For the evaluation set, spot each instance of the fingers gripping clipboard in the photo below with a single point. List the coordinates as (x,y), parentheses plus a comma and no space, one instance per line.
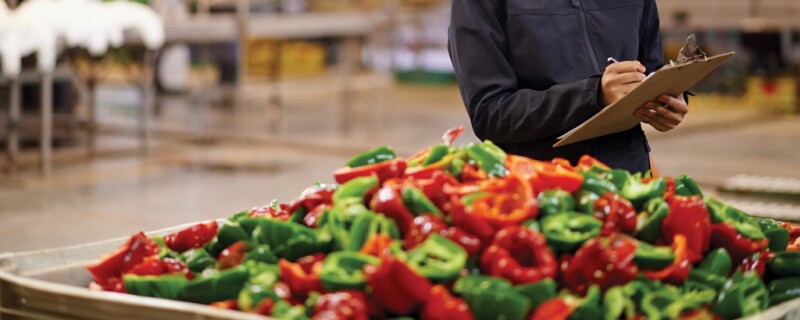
(670,80)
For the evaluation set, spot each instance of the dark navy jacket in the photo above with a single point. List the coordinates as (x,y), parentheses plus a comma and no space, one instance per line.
(529,71)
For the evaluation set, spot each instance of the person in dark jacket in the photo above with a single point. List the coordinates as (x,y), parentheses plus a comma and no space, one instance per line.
(531,70)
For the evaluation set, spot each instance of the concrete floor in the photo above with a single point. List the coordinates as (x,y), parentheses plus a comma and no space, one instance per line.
(206,163)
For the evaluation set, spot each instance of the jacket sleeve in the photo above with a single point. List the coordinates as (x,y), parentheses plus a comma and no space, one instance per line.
(498,109)
(651,53)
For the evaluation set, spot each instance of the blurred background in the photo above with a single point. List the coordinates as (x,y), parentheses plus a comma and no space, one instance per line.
(238,102)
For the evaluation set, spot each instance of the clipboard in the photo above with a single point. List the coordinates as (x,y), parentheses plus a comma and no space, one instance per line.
(671,80)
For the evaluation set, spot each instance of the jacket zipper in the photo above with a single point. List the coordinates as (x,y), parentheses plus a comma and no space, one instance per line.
(586,35)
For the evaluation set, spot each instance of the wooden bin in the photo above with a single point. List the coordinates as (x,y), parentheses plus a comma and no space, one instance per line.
(51,284)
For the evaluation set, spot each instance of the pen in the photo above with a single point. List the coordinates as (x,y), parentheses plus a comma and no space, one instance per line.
(612,60)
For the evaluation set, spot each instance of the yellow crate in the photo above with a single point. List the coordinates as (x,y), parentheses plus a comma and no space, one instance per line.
(296,58)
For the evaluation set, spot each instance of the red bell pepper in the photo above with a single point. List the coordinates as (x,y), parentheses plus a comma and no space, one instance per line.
(150,266)
(233,255)
(434,187)
(617,214)
(192,237)
(383,170)
(127,255)
(341,305)
(153,266)
(313,216)
(378,245)
(452,134)
(794,237)
(543,175)
(520,255)
(553,309)
(265,307)
(302,277)
(443,306)
(757,262)
(312,197)
(472,173)
(688,216)
(606,261)
(389,201)
(426,224)
(724,235)
(505,202)
(467,220)
(276,211)
(678,272)
(398,288)
(587,162)
(669,192)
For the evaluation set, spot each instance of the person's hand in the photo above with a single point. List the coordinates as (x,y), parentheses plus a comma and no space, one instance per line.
(664,114)
(619,79)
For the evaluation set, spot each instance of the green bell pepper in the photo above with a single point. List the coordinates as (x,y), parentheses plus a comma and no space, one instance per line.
(617,305)
(379,154)
(229,232)
(567,231)
(617,176)
(589,306)
(638,192)
(742,295)
(163,250)
(437,258)
(367,225)
(437,153)
(721,212)
(686,186)
(285,311)
(477,282)
(586,201)
(354,188)
(648,226)
(168,286)
(650,257)
(261,253)
(258,288)
(417,203)
(497,304)
(595,184)
(783,289)
(707,279)
(785,264)
(718,262)
(669,303)
(216,285)
(290,240)
(342,270)
(488,158)
(538,292)
(198,259)
(778,236)
(555,201)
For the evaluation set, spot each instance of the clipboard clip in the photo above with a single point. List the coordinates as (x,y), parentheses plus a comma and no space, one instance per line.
(690,52)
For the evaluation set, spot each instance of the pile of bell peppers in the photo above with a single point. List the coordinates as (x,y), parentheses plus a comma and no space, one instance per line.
(469,232)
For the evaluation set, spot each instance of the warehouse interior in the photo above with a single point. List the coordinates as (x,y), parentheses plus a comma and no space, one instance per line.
(253,100)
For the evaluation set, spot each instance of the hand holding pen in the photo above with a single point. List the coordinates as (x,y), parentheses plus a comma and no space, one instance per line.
(620,78)
(663,115)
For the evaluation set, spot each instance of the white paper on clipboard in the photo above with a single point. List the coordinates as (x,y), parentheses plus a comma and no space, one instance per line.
(670,80)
